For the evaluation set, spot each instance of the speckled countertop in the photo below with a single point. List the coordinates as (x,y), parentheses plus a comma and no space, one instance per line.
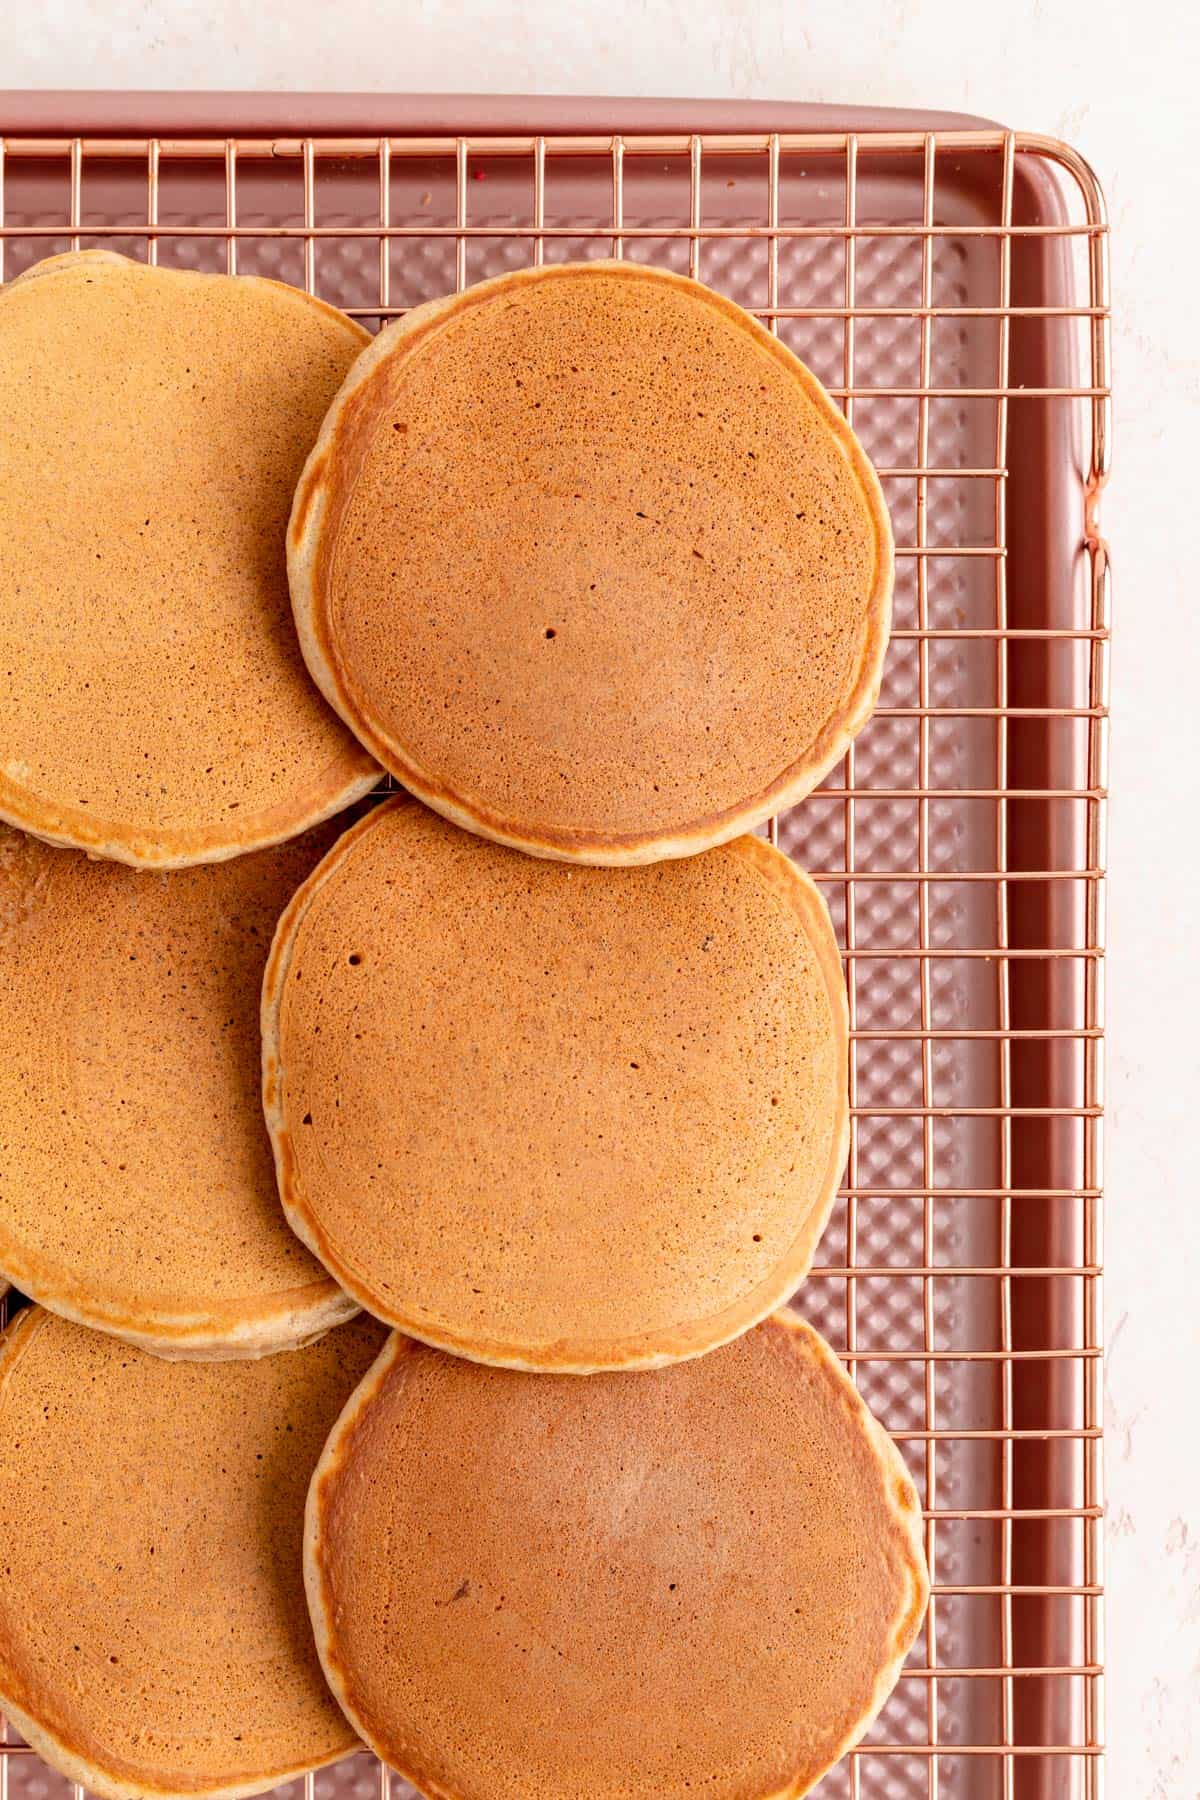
(1119,81)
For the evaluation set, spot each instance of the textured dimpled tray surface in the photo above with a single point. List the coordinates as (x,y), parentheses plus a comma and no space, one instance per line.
(947,281)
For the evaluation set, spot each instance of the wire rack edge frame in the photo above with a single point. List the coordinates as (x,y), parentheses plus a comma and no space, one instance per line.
(850,149)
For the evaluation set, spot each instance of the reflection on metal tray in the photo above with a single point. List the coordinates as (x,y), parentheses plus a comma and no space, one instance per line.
(947,280)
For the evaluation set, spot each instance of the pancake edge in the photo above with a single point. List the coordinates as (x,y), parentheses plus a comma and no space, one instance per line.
(803,1339)
(645,1350)
(339,785)
(606,849)
(59,1753)
(234,1332)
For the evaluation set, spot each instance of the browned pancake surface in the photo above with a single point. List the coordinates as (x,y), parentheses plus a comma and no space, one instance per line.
(137,1191)
(153,1631)
(557,1117)
(697,1580)
(592,563)
(154,705)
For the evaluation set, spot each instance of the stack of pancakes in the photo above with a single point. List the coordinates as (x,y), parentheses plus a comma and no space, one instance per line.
(542,1063)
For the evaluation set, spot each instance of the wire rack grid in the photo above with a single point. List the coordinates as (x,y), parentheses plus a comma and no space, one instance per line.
(951,289)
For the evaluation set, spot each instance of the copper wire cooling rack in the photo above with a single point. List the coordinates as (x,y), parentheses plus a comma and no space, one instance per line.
(948,281)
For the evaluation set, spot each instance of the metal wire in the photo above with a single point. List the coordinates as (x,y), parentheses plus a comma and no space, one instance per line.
(904,1335)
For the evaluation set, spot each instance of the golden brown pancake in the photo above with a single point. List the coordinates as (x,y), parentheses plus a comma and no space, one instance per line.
(552,1117)
(154,706)
(137,1192)
(153,1633)
(592,564)
(698,1581)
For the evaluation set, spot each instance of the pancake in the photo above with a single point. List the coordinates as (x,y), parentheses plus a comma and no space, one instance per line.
(551,1117)
(153,1633)
(592,564)
(154,706)
(703,1580)
(137,1192)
